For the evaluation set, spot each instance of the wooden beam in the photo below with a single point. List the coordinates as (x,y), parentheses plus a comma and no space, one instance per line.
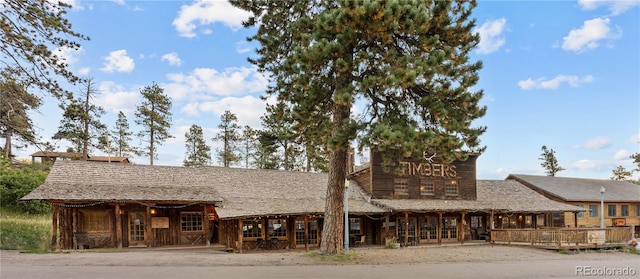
(239,235)
(206,225)
(462,227)
(406,228)
(118,227)
(147,228)
(439,233)
(306,233)
(54,229)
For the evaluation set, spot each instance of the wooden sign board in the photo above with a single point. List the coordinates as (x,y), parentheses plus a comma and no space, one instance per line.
(619,222)
(596,237)
(159,222)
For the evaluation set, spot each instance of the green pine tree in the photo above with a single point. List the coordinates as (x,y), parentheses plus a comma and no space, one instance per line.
(549,161)
(15,123)
(198,152)
(230,137)
(154,115)
(80,123)
(406,61)
(121,136)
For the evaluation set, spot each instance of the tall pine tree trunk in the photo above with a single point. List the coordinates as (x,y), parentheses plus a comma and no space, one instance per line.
(333,228)
(7,142)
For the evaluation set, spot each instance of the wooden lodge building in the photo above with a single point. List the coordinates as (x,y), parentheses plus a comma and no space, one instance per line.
(425,201)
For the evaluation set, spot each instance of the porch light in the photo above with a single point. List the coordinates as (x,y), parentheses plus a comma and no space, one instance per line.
(153,211)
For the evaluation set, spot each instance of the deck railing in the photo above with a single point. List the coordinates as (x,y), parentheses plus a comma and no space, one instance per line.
(564,237)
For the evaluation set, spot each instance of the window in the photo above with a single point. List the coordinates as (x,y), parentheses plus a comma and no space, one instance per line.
(593,211)
(251,228)
(401,186)
(611,210)
(354,226)
(277,227)
(624,210)
(426,186)
(451,188)
(638,210)
(191,221)
(96,220)
(580,214)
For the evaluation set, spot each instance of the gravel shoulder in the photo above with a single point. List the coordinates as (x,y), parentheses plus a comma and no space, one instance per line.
(363,256)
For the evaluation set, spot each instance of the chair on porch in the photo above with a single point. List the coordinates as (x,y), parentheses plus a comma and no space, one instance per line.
(82,240)
(359,242)
(273,243)
(261,244)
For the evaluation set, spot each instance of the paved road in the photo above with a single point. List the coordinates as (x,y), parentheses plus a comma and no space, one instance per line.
(516,269)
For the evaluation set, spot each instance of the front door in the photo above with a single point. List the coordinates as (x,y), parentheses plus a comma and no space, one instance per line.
(429,229)
(137,228)
(402,228)
(312,231)
(449,228)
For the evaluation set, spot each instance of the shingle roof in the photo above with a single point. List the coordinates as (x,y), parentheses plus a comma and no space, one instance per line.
(499,195)
(237,192)
(581,189)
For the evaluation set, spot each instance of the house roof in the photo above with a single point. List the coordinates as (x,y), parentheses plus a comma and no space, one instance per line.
(114,159)
(499,195)
(580,189)
(236,192)
(56,154)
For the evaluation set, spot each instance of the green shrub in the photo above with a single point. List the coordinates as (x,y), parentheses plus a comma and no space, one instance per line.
(24,232)
(16,183)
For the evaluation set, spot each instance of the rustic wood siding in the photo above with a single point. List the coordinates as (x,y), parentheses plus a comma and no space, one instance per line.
(382,179)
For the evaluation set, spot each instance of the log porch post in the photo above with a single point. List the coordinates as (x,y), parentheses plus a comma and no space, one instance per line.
(406,228)
(54,229)
(118,227)
(575,219)
(207,230)
(439,232)
(147,228)
(462,228)
(306,233)
(240,235)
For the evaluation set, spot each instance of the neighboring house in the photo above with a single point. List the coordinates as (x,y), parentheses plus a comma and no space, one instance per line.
(52,156)
(621,199)
(124,205)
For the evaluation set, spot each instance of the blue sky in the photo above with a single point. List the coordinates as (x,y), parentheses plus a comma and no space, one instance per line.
(565,74)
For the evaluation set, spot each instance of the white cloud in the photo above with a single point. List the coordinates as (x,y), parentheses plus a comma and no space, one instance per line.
(236,81)
(622,155)
(615,6)
(203,12)
(541,83)
(242,47)
(248,109)
(172,58)
(118,61)
(119,2)
(115,98)
(635,138)
(67,54)
(491,35)
(597,143)
(84,71)
(589,35)
(590,165)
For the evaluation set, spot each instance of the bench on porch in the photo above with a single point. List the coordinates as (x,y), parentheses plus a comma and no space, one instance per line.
(82,240)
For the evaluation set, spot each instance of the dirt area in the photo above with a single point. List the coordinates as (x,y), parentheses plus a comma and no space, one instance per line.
(363,255)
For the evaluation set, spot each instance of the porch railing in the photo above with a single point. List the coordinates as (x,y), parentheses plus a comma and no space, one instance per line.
(564,237)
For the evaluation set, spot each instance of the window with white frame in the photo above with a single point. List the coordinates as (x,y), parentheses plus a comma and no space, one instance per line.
(593,211)
(611,210)
(624,210)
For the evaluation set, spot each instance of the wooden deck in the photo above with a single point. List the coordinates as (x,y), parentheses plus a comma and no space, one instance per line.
(564,238)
